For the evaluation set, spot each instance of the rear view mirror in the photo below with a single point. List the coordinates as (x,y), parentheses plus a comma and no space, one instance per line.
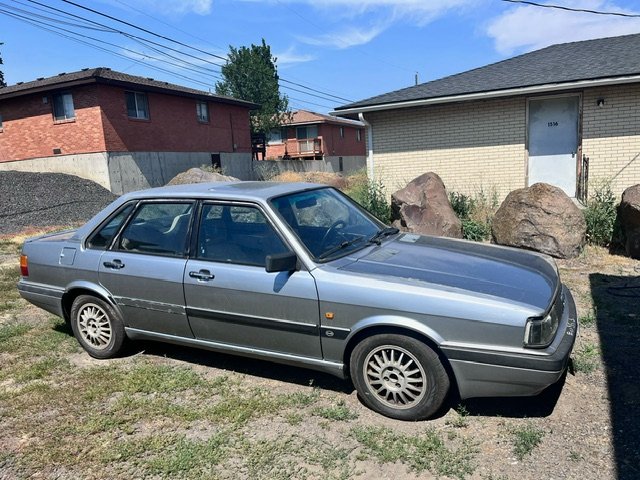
(282,262)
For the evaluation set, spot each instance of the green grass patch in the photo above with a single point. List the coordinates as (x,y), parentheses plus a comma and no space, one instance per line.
(9,296)
(12,330)
(587,359)
(339,412)
(525,439)
(588,320)
(425,451)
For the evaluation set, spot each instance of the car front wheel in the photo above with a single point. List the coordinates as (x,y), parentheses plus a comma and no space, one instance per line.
(399,376)
(97,326)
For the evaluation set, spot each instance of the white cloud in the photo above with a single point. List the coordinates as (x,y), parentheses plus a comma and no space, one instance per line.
(289,57)
(172,7)
(527,28)
(377,15)
(345,38)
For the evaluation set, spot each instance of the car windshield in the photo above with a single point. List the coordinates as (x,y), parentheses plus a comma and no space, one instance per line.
(328,223)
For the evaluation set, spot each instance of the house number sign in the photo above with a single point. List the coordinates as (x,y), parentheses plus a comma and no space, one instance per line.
(552,124)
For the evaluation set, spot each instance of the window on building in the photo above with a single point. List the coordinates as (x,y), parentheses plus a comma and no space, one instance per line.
(303,133)
(137,105)
(341,132)
(202,112)
(359,135)
(277,135)
(63,106)
(0,122)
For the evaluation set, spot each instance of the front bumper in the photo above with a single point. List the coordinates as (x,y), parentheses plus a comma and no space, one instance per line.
(482,373)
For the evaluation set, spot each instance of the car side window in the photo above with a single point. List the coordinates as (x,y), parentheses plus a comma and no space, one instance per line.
(159,228)
(237,234)
(101,239)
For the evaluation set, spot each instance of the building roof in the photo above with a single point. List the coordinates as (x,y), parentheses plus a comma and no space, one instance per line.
(107,76)
(558,65)
(305,117)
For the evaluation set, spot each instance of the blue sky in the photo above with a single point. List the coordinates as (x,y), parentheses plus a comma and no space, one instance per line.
(344,48)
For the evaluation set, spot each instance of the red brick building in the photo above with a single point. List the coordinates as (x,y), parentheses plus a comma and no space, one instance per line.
(313,136)
(123,131)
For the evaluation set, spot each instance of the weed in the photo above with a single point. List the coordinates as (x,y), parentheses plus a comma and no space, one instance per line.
(600,215)
(425,451)
(586,359)
(525,438)
(476,213)
(588,320)
(574,456)
(461,418)
(370,194)
(339,412)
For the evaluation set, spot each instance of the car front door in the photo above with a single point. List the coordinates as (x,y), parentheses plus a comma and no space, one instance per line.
(231,298)
(144,268)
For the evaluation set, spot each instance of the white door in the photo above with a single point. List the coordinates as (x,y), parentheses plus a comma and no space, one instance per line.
(553,142)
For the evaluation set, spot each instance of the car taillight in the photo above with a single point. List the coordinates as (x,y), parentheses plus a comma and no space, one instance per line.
(24,266)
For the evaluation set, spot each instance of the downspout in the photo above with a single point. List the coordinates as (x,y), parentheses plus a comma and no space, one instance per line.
(367,126)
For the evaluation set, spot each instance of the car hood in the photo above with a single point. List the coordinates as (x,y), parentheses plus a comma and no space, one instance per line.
(507,273)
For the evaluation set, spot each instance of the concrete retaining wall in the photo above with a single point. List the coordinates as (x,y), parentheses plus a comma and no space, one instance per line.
(123,172)
(270,168)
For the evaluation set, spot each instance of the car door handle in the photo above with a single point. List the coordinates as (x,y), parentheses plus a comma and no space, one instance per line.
(204,275)
(115,265)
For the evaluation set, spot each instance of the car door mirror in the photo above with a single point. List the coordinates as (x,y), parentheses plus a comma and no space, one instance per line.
(281,262)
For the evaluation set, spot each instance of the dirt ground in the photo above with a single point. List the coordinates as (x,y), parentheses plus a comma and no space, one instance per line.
(64,415)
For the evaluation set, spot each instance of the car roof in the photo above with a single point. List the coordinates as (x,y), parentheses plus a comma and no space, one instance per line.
(251,191)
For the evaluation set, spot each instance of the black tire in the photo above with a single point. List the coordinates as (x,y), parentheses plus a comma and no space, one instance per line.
(97,326)
(409,382)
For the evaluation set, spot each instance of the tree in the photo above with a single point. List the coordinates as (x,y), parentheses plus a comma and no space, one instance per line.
(251,74)
(2,82)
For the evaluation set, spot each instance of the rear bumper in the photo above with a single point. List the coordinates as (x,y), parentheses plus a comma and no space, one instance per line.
(44,296)
(482,373)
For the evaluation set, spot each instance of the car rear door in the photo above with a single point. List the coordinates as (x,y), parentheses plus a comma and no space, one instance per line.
(231,298)
(144,268)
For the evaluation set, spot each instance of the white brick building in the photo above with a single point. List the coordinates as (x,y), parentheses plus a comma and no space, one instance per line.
(535,117)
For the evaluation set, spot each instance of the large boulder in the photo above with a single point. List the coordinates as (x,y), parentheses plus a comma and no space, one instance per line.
(630,220)
(197,175)
(423,207)
(542,218)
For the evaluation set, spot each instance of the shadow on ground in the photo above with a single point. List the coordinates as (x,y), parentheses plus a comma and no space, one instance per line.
(541,405)
(617,303)
(248,366)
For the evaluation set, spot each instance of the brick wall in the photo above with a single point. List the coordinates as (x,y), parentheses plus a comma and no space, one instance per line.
(472,145)
(332,143)
(173,125)
(29,130)
(101,124)
(611,135)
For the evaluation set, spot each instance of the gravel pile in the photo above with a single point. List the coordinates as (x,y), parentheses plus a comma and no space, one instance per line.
(47,199)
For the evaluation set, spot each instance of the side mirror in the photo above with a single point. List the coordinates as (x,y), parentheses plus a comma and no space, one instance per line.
(282,262)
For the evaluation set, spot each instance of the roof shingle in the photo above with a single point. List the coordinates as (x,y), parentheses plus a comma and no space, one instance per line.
(568,62)
(107,76)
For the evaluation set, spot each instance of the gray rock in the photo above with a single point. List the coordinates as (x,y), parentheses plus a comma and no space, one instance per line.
(423,207)
(630,220)
(197,175)
(541,218)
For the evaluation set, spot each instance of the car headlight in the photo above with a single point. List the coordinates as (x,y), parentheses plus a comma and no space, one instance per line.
(540,332)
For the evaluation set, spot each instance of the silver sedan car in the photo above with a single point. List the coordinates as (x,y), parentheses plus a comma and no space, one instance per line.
(302,275)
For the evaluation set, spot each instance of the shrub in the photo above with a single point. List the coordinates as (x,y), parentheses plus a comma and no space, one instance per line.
(370,194)
(475,213)
(600,215)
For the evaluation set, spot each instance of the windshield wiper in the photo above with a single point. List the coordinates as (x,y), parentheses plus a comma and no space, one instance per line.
(385,232)
(344,244)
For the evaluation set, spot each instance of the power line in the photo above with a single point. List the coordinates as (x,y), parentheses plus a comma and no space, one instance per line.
(53,22)
(186,45)
(570,9)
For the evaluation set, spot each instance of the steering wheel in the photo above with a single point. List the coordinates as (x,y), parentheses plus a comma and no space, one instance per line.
(331,230)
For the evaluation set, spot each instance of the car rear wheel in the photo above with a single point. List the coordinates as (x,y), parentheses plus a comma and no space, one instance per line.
(399,376)
(97,326)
